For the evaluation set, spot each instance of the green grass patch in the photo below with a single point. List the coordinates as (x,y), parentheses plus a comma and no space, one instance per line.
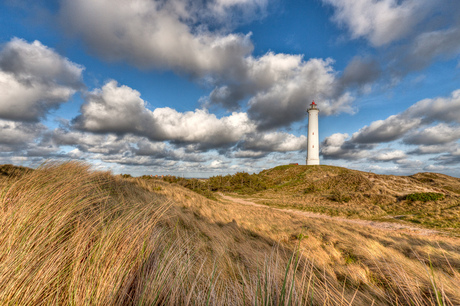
(424,196)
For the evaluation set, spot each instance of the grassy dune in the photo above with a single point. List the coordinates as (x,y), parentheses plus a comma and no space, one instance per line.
(338,191)
(69,235)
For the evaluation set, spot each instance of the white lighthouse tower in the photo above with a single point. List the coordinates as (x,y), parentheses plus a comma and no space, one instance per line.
(313,137)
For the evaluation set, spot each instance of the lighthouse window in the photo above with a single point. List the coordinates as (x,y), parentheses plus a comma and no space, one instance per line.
(313,133)
(313,146)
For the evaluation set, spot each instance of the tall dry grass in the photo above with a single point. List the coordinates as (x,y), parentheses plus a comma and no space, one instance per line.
(72,236)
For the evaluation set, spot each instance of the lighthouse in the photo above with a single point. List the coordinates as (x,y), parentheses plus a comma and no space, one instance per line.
(313,138)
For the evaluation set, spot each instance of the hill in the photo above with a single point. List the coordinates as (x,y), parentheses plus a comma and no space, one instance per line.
(7,171)
(70,235)
(429,199)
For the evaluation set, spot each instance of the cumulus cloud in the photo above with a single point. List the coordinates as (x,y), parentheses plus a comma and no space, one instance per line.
(381,22)
(431,124)
(338,146)
(279,88)
(158,34)
(132,160)
(387,22)
(16,136)
(406,165)
(202,127)
(119,109)
(116,109)
(110,147)
(271,142)
(91,143)
(444,109)
(292,88)
(420,114)
(249,154)
(434,168)
(434,149)
(174,35)
(34,79)
(386,130)
(434,135)
(451,158)
(395,155)
(341,147)
(218,164)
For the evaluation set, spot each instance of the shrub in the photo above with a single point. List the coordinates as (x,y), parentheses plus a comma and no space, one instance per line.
(340,197)
(424,196)
(310,189)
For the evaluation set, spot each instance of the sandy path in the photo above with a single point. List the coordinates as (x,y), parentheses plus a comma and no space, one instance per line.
(374,224)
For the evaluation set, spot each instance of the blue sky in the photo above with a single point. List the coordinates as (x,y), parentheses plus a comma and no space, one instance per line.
(200,88)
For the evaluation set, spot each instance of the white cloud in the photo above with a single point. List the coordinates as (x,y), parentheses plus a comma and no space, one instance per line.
(386,130)
(412,31)
(34,79)
(112,147)
(156,34)
(17,135)
(432,124)
(434,149)
(249,154)
(119,109)
(223,5)
(271,142)
(445,109)
(116,109)
(289,84)
(434,135)
(280,86)
(434,168)
(216,164)
(201,126)
(338,146)
(381,22)
(419,115)
(390,156)
(174,35)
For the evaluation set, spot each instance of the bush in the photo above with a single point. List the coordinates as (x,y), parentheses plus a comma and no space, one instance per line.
(424,196)
(239,182)
(340,197)
(310,189)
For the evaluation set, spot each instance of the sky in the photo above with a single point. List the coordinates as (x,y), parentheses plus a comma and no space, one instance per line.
(198,88)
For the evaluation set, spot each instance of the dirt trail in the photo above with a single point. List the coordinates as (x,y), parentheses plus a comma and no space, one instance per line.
(374,224)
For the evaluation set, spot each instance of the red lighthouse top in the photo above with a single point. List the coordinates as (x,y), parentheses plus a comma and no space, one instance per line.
(313,105)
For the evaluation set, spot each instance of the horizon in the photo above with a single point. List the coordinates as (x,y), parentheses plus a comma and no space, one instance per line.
(213,174)
(218,87)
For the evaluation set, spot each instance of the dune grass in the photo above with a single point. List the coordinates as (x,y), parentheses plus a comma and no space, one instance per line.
(428,199)
(73,236)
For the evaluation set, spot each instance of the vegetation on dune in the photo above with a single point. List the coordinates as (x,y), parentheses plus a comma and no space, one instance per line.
(69,235)
(438,180)
(10,171)
(241,182)
(428,199)
(424,196)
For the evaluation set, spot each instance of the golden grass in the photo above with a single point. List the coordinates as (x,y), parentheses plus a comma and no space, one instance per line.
(72,236)
(339,191)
